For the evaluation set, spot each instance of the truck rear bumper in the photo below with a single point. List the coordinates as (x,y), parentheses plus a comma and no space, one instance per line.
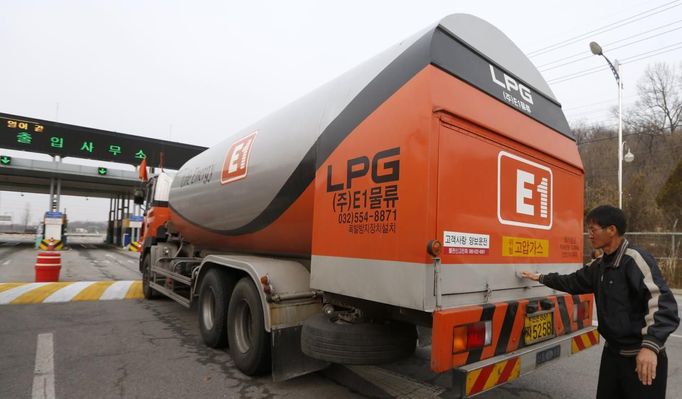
(413,377)
(479,377)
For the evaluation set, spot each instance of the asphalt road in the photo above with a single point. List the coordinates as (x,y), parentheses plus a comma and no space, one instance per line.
(131,349)
(152,349)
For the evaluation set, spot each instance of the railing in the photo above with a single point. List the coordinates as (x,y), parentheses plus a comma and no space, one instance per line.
(665,247)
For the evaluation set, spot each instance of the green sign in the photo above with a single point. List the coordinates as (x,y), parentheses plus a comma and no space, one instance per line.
(5,160)
(54,138)
(101,171)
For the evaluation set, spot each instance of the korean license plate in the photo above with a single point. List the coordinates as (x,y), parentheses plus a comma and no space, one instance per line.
(538,327)
(547,355)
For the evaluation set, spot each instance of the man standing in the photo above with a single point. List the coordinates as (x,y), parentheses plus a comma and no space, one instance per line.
(636,309)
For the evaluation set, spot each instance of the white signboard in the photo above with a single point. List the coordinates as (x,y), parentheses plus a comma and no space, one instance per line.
(457,243)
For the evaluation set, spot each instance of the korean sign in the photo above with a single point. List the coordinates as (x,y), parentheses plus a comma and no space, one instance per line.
(33,135)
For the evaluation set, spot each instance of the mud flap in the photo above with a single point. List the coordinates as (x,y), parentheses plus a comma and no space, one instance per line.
(288,361)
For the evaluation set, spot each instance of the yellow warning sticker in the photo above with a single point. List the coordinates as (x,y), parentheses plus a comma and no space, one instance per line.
(525,247)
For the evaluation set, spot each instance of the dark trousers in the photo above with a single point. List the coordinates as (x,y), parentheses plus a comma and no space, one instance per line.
(618,379)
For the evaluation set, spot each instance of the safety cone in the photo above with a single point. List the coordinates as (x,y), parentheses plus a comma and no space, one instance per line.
(48,265)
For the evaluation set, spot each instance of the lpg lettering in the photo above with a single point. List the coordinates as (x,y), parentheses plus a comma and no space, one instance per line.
(382,171)
(511,84)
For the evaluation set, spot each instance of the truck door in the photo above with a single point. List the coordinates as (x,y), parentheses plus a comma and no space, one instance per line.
(502,207)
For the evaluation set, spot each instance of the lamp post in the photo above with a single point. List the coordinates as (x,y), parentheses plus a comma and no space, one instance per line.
(597,50)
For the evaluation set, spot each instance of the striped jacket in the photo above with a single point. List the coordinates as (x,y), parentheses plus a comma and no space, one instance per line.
(635,307)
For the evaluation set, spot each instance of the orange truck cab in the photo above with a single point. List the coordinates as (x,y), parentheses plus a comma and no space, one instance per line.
(156,213)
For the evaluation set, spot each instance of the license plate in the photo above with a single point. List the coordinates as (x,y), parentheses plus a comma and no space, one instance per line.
(547,355)
(538,328)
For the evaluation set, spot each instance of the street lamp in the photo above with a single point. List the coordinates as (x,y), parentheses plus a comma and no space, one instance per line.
(597,50)
(629,157)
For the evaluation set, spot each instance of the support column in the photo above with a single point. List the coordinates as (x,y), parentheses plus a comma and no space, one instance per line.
(110,223)
(59,193)
(117,220)
(50,205)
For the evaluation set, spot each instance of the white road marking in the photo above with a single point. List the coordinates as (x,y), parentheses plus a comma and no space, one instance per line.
(10,295)
(676,336)
(67,293)
(6,263)
(117,290)
(43,378)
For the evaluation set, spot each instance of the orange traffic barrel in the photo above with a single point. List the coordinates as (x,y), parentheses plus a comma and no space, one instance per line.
(48,266)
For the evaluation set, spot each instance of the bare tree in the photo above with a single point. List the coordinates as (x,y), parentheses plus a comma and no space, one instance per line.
(652,199)
(659,108)
(669,197)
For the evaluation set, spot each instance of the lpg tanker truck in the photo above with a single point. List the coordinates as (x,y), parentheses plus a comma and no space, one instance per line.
(403,196)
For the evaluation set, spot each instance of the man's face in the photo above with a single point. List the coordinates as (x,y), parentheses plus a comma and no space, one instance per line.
(600,236)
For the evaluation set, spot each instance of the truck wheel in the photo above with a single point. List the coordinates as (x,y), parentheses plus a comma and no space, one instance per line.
(214,293)
(147,291)
(360,343)
(248,340)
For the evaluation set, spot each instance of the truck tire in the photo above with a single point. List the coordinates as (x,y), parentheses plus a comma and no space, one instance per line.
(214,294)
(359,343)
(249,342)
(148,292)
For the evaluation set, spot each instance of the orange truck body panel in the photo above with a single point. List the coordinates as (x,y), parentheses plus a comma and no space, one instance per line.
(448,179)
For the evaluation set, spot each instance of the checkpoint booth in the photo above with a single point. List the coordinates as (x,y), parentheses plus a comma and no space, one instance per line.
(54,227)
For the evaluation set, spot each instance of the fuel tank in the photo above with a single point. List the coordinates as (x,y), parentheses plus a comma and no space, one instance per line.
(258,190)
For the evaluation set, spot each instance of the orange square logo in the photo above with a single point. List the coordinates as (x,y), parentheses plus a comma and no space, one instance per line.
(524,192)
(236,162)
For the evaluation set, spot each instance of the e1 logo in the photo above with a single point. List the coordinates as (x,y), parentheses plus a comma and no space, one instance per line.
(236,162)
(524,192)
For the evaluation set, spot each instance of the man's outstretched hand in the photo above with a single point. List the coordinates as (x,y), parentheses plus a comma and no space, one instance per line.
(530,276)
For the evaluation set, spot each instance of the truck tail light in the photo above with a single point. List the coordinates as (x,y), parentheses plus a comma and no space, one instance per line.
(472,336)
(434,247)
(581,311)
(265,281)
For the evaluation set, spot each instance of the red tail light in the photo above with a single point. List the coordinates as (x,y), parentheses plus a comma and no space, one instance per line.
(472,336)
(476,336)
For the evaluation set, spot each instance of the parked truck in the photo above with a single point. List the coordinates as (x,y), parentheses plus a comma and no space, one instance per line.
(409,192)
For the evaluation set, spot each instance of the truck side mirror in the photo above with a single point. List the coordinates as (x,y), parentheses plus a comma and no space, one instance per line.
(138,196)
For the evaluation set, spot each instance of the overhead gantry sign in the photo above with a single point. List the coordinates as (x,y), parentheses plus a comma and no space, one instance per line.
(54,138)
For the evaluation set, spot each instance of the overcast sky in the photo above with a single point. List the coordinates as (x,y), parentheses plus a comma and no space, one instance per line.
(195,71)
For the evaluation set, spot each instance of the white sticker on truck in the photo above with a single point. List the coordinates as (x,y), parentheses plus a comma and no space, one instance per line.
(458,243)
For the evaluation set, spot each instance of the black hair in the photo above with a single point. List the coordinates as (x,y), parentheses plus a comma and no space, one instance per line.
(607,215)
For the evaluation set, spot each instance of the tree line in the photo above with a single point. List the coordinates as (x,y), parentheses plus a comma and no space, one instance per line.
(652,131)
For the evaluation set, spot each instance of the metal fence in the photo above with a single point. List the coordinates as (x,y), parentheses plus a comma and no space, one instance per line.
(665,247)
